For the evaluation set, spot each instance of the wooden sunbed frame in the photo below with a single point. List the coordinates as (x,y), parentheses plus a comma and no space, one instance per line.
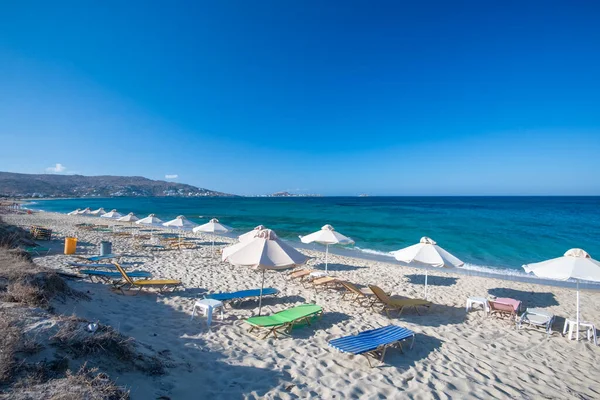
(399,304)
(360,297)
(161,284)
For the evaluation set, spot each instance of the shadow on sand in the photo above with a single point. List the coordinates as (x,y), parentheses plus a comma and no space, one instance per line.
(327,320)
(423,346)
(529,299)
(157,323)
(419,279)
(436,315)
(337,267)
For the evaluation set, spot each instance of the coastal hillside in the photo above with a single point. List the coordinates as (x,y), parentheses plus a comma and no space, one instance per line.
(48,185)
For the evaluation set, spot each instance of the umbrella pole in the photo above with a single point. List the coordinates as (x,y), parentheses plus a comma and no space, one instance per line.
(212,248)
(426,273)
(577,334)
(326,256)
(261,291)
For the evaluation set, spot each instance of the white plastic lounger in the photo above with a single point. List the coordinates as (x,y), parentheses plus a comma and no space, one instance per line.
(537,318)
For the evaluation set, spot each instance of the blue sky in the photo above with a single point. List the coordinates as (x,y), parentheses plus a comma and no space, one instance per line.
(337,98)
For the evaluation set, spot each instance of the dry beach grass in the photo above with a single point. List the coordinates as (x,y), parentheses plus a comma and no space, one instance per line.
(456,354)
(48,356)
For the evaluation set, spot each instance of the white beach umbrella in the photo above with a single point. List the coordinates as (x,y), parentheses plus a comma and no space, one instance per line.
(74,212)
(428,254)
(575,264)
(181,223)
(327,235)
(112,214)
(128,218)
(152,221)
(265,252)
(251,234)
(98,212)
(131,218)
(85,211)
(213,226)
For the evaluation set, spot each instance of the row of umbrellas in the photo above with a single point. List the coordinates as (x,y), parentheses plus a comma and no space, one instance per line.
(263,250)
(180,223)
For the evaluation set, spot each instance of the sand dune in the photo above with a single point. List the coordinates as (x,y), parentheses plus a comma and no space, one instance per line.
(456,355)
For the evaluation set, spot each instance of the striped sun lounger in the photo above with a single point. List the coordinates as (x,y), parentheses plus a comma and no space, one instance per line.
(242,294)
(374,342)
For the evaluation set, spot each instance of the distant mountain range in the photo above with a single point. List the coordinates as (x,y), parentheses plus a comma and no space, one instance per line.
(48,185)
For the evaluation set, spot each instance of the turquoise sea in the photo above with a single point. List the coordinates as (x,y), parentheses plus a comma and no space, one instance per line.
(485,232)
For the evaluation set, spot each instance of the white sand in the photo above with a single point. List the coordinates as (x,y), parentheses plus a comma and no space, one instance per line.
(456,355)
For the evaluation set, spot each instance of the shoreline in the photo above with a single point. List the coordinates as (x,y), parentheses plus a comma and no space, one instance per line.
(510,274)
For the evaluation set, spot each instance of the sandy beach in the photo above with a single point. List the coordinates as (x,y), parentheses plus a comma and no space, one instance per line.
(456,354)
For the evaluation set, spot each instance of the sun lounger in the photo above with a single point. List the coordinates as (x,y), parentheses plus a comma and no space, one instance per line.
(284,321)
(182,245)
(160,284)
(537,318)
(300,274)
(40,233)
(504,307)
(39,250)
(100,258)
(396,302)
(156,247)
(102,230)
(326,282)
(374,343)
(241,295)
(363,296)
(99,266)
(108,276)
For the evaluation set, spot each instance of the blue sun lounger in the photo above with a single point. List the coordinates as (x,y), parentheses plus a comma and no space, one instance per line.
(241,295)
(105,266)
(374,342)
(104,257)
(107,275)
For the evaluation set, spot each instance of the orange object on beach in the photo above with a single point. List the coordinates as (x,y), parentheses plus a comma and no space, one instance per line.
(70,245)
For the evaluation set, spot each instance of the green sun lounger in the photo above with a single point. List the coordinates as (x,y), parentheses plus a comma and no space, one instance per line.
(285,320)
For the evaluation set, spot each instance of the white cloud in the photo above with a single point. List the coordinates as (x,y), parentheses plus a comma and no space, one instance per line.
(171,176)
(58,168)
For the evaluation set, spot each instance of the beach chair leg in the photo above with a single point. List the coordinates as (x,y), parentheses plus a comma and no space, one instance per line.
(383,353)
(399,344)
